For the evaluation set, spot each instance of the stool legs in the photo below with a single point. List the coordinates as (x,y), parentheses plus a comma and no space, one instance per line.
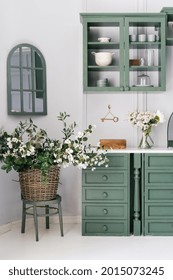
(47,213)
(60,218)
(47,216)
(35,221)
(23,217)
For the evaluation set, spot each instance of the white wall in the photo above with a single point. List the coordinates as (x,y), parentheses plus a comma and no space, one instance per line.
(54,28)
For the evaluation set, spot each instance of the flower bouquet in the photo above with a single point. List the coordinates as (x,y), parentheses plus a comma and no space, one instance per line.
(145,121)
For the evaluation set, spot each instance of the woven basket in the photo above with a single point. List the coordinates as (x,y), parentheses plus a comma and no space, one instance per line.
(34,188)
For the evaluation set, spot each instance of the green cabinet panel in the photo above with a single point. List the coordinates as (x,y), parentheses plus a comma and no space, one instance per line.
(162,227)
(169,20)
(106,211)
(159,210)
(104,177)
(120,161)
(106,198)
(159,194)
(120,75)
(105,194)
(156,177)
(157,199)
(157,161)
(103,227)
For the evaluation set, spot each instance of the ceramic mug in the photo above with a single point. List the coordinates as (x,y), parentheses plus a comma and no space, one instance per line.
(133,38)
(151,37)
(142,37)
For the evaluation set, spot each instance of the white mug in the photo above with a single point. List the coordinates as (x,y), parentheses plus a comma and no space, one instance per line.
(133,38)
(151,37)
(142,37)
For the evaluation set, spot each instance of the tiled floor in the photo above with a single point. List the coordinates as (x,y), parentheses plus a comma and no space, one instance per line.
(74,246)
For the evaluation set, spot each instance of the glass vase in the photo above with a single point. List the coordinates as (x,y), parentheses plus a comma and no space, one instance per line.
(144,143)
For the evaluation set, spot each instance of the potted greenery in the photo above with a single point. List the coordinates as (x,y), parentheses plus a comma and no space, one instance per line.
(38,158)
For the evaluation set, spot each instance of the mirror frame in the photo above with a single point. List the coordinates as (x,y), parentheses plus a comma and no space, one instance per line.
(34,91)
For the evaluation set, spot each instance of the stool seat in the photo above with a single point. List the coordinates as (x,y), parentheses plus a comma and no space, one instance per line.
(51,207)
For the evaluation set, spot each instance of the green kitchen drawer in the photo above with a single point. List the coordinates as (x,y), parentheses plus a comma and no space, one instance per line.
(159,211)
(159,194)
(104,177)
(101,227)
(159,161)
(159,177)
(101,194)
(104,211)
(119,161)
(159,227)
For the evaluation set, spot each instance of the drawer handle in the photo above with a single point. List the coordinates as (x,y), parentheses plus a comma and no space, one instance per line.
(105,194)
(105,177)
(105,228)
(105,211)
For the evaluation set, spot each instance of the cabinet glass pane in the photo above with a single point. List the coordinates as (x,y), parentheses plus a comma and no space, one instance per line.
(100,75)
(145,53)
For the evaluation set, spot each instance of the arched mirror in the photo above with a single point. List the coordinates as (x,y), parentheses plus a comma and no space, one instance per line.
(26,81)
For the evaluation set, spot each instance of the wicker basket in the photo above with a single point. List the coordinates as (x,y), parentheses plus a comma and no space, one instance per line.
(34,188)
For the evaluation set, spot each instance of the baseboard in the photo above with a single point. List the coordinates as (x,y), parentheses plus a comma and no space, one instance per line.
(66,220)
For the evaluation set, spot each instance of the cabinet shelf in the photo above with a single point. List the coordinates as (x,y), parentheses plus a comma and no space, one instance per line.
(98,45)
(103,68)
(143,45)
(145,68)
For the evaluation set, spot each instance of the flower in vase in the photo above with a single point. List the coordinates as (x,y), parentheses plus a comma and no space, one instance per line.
(145,121)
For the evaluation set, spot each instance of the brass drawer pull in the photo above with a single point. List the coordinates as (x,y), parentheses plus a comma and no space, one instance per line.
(105,194)
(105,228)
(105,211)
(105,177)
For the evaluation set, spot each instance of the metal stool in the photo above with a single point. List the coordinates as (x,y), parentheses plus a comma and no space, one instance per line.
(32,210)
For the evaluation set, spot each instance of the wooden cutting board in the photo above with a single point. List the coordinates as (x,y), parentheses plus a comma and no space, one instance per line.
(112,143)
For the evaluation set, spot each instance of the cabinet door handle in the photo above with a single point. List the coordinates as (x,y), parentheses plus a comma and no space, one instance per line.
(105,177)
(105,211)
(105,228)
(105,194)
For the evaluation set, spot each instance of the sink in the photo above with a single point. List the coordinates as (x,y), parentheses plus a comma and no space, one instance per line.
(112,144)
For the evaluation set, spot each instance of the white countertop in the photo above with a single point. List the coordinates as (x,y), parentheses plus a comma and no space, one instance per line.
(138,150)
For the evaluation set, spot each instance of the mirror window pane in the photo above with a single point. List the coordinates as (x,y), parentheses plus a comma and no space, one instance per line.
(15,101)
(38,103)
(27,79)
(27,101)
(15,58)
(26,57)
(15,78)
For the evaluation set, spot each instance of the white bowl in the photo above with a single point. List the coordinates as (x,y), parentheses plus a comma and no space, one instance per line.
(104,39)
(103,58)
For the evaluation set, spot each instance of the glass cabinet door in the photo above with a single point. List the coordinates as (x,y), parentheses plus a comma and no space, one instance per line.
(145,53)
(103,54)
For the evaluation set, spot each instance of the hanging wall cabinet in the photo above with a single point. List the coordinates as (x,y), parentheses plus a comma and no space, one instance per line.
(130,58)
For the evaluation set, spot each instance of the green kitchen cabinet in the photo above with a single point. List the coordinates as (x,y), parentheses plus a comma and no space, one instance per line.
(122,75)
(134,195)
(157,194)
(169,25)
(106,198)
